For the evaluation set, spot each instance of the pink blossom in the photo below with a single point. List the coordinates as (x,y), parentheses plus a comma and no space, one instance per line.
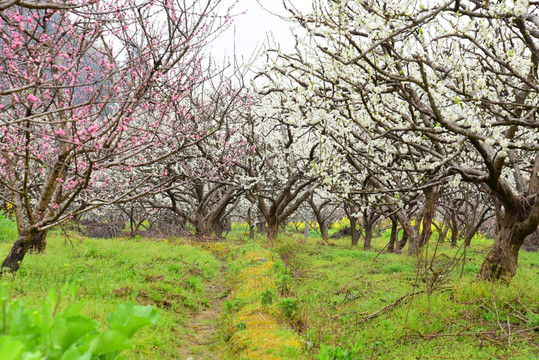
(33,98)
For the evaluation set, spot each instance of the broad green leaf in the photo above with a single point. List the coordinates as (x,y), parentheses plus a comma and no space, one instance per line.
(128,318)
(18,319)
(10,349)
(32,355)
(109,341)
(65,332)
(75,354)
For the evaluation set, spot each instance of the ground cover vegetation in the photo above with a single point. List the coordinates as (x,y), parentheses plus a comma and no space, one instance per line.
(139,170)
(356,304)
(305,299)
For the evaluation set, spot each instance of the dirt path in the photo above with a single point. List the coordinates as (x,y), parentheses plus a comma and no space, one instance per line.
(203,340)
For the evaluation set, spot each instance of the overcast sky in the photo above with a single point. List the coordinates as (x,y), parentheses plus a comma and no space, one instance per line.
(251,30)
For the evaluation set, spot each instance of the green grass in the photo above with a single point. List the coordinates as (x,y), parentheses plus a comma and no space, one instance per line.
(8,229)
(169,277)
(347,303)
(256,325)
(340,288)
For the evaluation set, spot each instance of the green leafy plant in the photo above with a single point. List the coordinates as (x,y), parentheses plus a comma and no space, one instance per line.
(195,283)
(282,279)
(55,333)
(337,353)
(289,307)
(234,305)
(533,320)
(267,297)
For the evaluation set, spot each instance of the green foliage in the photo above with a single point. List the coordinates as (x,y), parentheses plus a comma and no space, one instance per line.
(65,333)
(234,305)
(533,319)
(337,353)
(393,268)
(195,283)
(282,280)
(148,272)
(353,301)
(8,229)
(268,297)
(471,269)
(289,307)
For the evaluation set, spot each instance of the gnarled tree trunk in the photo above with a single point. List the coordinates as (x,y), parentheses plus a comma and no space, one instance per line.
(39,242)
(20,248)
(502,260)
(454,231)
(324,232)
(251,224)
(417,241)
(273,227)
(531,243)
(368,236)
(402,243)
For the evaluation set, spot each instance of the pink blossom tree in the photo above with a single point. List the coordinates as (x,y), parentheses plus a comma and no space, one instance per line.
(89,92)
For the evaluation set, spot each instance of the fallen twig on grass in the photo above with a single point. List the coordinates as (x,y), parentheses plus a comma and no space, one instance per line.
(391,306)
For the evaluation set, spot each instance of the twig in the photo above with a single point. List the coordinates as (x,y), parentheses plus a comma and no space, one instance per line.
(509,331)
(67,237)
(387,307)
(382,250)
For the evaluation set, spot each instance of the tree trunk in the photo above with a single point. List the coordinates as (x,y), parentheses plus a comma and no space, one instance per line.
(402,243)
(219,228)
(13,261)
(428,215)
(394,235)
(443,234)
(261,225)
(417,241)
(353,231)
(454,233)
(251,224)
(531,243)
(39,242)
(203,230)
(273,228)
(501,262)
(368,236)
(324,230)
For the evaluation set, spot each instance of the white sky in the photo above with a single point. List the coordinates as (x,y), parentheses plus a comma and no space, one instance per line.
(253,28)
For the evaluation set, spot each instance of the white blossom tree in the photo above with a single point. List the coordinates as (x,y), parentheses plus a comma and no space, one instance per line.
(411,94)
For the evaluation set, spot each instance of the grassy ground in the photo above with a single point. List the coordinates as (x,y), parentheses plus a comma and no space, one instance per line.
(174,279)
(360,305)
(255,312)
(237,300)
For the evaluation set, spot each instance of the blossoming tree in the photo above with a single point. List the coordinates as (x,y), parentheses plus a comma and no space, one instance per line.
(85,91)
(425,92)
